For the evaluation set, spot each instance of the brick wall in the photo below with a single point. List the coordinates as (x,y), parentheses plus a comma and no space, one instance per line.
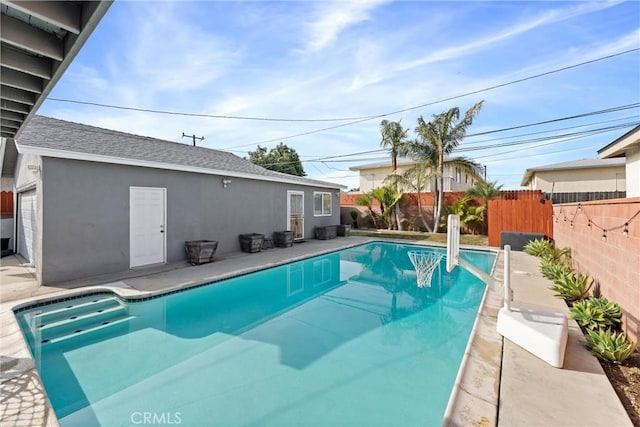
(409,210)
(614,262)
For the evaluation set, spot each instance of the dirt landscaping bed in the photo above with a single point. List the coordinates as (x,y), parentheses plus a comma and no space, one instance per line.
(625,379)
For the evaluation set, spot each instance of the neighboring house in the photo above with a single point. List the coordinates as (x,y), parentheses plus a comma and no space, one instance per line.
(628,147)
(578,180)
(372,175)
(92,201)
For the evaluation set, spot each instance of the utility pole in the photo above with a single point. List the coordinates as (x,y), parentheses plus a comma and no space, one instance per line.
(194,137)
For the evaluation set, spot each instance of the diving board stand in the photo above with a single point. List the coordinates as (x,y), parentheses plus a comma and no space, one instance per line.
(543,334)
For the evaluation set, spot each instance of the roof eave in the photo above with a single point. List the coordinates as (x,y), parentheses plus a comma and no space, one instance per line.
(619,146)
(74,155)
(526,179)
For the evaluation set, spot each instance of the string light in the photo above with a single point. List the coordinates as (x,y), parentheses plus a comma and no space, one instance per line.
(591,224)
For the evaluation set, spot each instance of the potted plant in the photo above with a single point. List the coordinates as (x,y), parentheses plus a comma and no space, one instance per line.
(354,217)
(251,242)
(283,239)
(343,230)
(200,251)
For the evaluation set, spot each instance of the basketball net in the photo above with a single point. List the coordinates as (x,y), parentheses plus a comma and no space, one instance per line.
(425,263)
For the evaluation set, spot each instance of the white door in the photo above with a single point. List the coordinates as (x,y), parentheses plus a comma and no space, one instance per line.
(295,213)
(26,224)
(147,207)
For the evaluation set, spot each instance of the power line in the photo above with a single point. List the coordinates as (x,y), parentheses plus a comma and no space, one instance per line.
(351,120)
(591,147)
(576,116)
(588,132)
(553,139)
(517,150)
(360,120)
(550,130)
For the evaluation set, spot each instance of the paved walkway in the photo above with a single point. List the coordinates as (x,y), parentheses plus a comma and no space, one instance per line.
(501,384)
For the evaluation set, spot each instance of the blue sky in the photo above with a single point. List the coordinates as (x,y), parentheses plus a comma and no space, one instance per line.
(326,60)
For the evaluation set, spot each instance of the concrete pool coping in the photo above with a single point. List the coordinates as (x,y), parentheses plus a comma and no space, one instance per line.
(499,383)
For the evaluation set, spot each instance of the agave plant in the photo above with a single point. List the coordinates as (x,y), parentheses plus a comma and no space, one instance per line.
(609,346)
(538,247)
(558,256)
(571,287)
(596,313)
(553,271)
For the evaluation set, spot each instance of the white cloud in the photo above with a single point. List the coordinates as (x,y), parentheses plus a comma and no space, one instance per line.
(474,46)
(335,17)
(362,58)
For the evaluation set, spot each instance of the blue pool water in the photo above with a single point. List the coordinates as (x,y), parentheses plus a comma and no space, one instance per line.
(344,339)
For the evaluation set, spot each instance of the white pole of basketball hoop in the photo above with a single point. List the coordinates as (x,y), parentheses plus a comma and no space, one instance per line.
(453,252)
(507,277)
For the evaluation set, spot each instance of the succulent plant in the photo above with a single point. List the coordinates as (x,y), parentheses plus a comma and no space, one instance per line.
(538,247)
(609,346)
(571,287)
(552,271)
(596,313)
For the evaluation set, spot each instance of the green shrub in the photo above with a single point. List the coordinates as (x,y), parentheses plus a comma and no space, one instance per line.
(609,346)
(596,313)
(571,287)
(538,247)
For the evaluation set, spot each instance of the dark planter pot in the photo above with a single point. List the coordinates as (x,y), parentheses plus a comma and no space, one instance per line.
(251,243)
(326,232)
(344,230)
(200,251)
(283,239)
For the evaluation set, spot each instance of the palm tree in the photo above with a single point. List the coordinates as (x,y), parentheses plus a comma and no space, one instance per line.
(485,191)
(440,137)
(417,178)
(367,201)
(389,198)
(394,136)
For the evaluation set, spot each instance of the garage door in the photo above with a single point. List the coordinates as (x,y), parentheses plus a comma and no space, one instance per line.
(26,224)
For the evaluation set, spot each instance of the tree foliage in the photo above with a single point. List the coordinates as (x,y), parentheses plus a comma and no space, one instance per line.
(279,159)
(484,190)
(394,136)
(439,138)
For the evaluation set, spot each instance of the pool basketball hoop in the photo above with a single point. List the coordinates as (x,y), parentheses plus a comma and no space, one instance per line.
(425,263)
(453,242)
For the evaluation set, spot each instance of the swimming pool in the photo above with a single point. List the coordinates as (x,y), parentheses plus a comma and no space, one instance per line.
(340,339)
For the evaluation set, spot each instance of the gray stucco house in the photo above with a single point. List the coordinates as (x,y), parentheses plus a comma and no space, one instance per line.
(91,201)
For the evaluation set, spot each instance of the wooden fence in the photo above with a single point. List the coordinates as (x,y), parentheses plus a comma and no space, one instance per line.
(519,211)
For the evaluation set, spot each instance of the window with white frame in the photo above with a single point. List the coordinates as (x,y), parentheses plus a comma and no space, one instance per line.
(321,204)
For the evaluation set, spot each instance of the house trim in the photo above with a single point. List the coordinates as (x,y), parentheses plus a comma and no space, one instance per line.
(74,155)
(595,164)
(619,146)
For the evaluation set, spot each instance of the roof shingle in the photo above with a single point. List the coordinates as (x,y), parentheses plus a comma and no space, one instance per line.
(64,136)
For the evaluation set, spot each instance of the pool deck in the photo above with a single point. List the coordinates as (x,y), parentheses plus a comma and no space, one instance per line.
(500,384)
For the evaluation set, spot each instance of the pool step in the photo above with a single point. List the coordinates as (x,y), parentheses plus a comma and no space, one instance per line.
(76,307)
(75,318)
(77,322)
(106,327)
